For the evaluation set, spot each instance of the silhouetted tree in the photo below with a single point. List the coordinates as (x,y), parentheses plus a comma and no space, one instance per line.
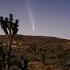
(10,28)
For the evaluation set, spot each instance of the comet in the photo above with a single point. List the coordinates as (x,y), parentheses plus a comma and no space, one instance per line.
(30,15)
(33,27)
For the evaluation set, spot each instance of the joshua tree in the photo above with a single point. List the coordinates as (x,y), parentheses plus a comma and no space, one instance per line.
(10,28)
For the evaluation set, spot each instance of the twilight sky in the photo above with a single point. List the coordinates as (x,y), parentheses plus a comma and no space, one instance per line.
(39,17)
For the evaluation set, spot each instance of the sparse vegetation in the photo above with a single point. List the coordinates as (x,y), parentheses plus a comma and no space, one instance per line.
(52,53)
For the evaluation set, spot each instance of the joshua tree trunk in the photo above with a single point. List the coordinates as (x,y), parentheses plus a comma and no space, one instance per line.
(5,66)
(9,52)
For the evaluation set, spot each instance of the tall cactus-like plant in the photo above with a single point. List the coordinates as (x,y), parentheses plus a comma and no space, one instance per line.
(10,28)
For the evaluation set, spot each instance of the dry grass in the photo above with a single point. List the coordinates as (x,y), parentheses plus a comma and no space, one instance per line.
(45,49)
(35,65)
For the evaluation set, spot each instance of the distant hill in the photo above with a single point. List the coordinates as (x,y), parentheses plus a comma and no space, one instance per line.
(48,50)
(26,38)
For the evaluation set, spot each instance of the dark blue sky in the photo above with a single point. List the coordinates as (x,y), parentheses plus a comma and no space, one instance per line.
(39,17)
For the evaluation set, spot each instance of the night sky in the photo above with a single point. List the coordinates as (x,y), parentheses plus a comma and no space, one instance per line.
(39,17)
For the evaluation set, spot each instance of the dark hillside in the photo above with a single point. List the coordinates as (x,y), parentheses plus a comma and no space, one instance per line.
(48,50)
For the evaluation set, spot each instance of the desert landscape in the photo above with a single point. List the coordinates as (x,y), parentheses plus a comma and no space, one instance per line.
(34,34)
(42,52)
